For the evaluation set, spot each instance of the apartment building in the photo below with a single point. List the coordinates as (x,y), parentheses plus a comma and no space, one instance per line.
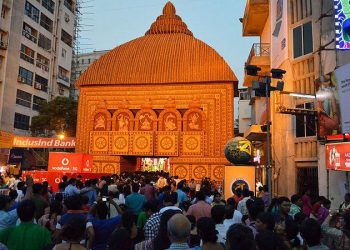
(293,35)
(35,57)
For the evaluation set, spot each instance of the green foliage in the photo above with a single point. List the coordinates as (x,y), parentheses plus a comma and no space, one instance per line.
(56,116)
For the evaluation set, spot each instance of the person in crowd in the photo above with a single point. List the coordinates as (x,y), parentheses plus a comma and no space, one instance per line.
(273,207)
(260,193)
(296,206)
(89,192)
(323,211)
(181,195)
(242,205)
(27,235)
(337,236)
(310,230)
(201,208)
(217,200)
(254,208)
(292,238)
(103,226)
(72,233)
(218,215)
(266,196)
(265,222)
(152,224)
(49,220)
(161,182)
(192,185)
(307,206)
(240,237)
(7,218)
(345,205)
(149,208)
(194,239)
(120,240)
(13,197)
(134,202)
(268,240)
(148,191)
(19,189)
(40,202)
(208,234)
(232,216)
(237,195)
(283,210)
(71,188)
(179,229)
(60,194)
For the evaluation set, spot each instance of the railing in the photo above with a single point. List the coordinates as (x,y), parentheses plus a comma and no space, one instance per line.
(28,35)
(40,86)
(34,17)
(63,77)
(259,49)
(3,45)
(41,65)
(27,58)
(46,25)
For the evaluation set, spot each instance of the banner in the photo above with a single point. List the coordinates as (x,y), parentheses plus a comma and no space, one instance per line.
(6,139)
(70,162)
(342,24)
(279,32)
(343,81)
(338,156)
(16,156)
(238,178)
(42,142)
(328,111)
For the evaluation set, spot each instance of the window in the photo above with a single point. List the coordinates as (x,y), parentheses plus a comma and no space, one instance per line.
(37,101)
(32,12)
(46,22)
(40,83)
(69,4)
(305,124)
(21,121)
(44,42)
(63,74)
(29,33)
(42,62)
(302,40)
(64,53)
(27,54)
(66,38)
(49,5)
(23,98)
(25,76)
(299,10)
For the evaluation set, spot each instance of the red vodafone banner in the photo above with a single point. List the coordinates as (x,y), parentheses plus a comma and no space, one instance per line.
(338,156)
(70,162)
(42,142)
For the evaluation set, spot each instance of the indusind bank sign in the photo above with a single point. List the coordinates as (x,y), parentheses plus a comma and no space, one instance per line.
(41,142)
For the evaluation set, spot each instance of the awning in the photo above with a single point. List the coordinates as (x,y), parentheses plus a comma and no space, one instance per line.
(254,133)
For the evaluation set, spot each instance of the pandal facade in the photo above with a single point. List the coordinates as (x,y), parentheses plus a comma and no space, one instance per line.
(166,94)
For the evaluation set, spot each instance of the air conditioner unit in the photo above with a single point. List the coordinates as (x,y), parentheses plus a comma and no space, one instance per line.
(37,85)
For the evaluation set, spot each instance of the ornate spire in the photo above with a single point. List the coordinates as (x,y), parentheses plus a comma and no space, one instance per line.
(169,23)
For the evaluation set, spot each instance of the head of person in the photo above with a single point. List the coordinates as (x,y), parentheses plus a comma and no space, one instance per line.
(5,202)
(61,186)
(181,184)
(162,240)
(64,178)
(120,240)
(307,191)
(37,188)
(26,211)
(74,230)
(246,192)
(260,188)
(13,194)
(150,207)
(229,211)
(284,205)
(269,240)
(74,202)
(238,192)
(231,201)
(179,228)
(239,237)
(218,214)
(265,222)
(217,197)
(206,230)
(326,204)
(147,181)
(254,208)
(192,220)
(299,218)
(310,230)
(296,200)
(56,208)
(292,231)
(72,181)
(135,187)
(200,195)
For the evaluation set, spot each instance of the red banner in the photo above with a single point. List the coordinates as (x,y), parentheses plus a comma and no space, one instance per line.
(41,142)
(70,162)
(338,156)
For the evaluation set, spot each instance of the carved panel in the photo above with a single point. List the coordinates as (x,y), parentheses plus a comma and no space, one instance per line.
(123,120)
(142,143)
(102,121)
(110,168)
(99,142)
(217,172)
(182,171)
(167,144)
(200,171)
(146,120)
(120,143)
(169,120)
(192,143)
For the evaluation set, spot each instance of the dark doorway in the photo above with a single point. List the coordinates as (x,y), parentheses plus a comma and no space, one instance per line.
(307,178)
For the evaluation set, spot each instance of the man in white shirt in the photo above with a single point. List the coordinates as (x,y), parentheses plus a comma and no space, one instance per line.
(232,216)
(218,215)
(242,205)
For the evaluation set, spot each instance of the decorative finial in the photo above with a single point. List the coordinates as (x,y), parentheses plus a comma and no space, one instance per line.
(169,9)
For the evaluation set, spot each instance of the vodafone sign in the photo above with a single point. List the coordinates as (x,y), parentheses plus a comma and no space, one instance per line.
(70,162)
(338,156)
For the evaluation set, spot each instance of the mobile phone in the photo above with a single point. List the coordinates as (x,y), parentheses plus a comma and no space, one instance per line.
(104,198)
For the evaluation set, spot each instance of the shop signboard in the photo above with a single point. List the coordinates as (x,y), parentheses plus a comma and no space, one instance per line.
(342,75)
(42,142)
(338,156)
(70,162)
(16,156)
(238,177)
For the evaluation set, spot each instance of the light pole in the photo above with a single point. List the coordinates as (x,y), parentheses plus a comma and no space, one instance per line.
(263,89)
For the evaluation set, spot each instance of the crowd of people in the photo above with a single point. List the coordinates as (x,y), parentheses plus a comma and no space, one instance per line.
(152,211)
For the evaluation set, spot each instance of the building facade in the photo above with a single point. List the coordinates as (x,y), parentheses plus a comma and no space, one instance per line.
(295,36)
(35,57)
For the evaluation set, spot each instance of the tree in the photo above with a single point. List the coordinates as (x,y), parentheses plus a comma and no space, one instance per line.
(56,116)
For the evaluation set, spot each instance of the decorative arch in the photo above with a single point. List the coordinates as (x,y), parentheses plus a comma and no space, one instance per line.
(123,120)
(146,118)
(101,118)
(194,118)
(170,118)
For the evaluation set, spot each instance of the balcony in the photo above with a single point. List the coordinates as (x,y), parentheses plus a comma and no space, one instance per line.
(64,80)
(255,16)
(260,56)
(41,65)
(3,45)
(29,36)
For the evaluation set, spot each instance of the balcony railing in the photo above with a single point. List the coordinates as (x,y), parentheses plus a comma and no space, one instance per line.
(27,58)
(41,65)
(3,45)
(28,35)
(34,17)
(259,49)
(63,77)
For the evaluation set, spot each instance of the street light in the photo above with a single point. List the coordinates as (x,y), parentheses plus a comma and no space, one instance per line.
(61,136)
(263,89)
